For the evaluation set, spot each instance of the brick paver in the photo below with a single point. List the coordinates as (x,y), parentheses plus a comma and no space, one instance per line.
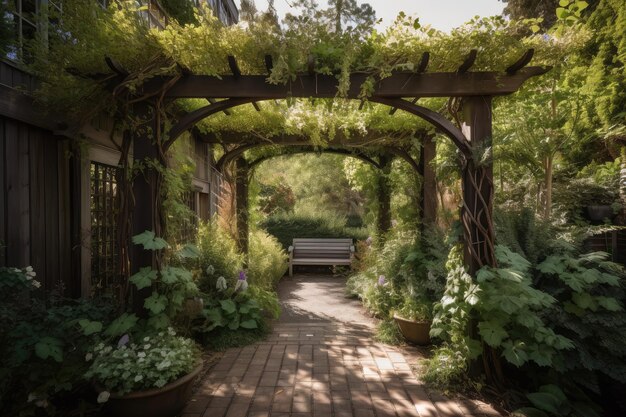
(322,367)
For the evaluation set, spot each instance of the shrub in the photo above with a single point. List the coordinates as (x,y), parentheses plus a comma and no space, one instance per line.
(218,257)
(43,343)
(267,260)
(287,226)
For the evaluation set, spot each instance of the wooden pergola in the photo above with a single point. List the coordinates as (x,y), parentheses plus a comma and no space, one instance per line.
(401,90)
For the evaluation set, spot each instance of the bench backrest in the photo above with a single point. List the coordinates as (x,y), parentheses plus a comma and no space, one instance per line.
(322,248)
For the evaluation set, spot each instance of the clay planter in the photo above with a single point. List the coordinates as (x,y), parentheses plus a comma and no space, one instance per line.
(167,401)
(414,331)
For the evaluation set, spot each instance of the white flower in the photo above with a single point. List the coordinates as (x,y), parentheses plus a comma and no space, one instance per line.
(36,283)
(241,284)
(147,346)
(146,339)
(138,378)
(221,284)
(103,397)
(141,355)
(88,356)
(210,270)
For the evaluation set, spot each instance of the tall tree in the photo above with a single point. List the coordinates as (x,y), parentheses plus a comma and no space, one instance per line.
(524,9)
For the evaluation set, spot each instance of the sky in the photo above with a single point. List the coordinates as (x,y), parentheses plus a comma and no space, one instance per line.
(441,14)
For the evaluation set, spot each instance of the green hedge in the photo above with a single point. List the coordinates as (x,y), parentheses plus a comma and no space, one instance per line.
(287,226)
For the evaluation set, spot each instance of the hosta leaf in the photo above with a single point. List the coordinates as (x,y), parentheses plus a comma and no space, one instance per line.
(228,306)
(49,347)
(234,323)
(90,327)
(149,241)
(492,333)
(156,303)
(554,390)
(583,300)
(249,324)
(121,325)
(144,277)
(546,402)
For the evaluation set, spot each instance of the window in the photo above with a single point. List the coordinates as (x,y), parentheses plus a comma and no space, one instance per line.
(23,14)
(189,226)
(104,256)
(154,15)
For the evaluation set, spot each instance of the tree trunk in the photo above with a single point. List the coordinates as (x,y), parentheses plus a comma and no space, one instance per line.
(241,194)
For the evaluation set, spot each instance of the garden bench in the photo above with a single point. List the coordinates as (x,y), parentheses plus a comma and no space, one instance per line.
(320,252)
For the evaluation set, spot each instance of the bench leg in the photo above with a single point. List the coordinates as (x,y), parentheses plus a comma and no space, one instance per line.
(290,269)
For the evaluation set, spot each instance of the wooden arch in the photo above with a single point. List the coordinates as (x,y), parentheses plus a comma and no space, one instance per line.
(472,90)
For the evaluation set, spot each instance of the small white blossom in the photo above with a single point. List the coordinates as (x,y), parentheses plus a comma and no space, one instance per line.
(103,397)
(88,356)
(138,378)
(141,355)
(210,270)
(36,283)
(147,346)
(146,339)
(221,284)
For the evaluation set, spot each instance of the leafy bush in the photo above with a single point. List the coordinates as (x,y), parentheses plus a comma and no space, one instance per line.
(267,260)
(572,198)
(218,257)
(551,401)
(43,343)
(287,226)
(387,332)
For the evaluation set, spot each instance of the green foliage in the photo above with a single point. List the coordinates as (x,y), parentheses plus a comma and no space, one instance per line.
(267,260)
(181,10)
(447,368)
(387,332)
(43,343)
(223,338)
(267,300)
(577,194)
(287,226)
(219,257)
(551,401)
(235,312)
(139,362)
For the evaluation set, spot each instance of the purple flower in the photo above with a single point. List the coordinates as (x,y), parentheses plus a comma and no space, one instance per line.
(242,275)
(123,341)
(381,280)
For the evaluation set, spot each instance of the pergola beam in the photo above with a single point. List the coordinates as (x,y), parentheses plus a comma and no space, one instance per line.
(398,85)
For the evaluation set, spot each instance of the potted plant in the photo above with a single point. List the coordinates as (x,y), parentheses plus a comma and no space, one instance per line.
(414,319)
(142,367)
(146,374)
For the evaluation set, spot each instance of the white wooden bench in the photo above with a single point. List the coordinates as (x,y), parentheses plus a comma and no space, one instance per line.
(320,252)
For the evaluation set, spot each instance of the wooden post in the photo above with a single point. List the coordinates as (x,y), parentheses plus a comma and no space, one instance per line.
(477,183)
(241,195)
(146,212)
(384,195)
(428,191)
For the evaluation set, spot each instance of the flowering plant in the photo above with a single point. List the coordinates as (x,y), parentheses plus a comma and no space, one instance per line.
(140,363)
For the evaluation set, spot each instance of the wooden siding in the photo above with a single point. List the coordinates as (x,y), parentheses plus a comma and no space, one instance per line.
(35,204)
(613,243)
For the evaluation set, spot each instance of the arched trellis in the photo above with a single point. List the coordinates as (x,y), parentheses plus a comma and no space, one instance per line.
(473,90)
(244,169)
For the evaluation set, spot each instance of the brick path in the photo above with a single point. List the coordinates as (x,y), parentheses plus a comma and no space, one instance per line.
(317,364)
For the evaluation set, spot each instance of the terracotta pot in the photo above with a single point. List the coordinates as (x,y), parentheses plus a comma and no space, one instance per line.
(167,401)
(414,331)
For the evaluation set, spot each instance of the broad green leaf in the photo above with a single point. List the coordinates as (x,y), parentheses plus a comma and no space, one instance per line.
(554,390)
(156,303)
(171,275)
(564,3)
(609,303)
(160,321)
(484,274)
(214,315)
(546,402)
(583,300)
(90,327)
(144,277)
(249,324)
(149,241)
(49,347)
(234,323)
(228,306)
(510,275)
(492,332)
(121,325)
(529,412)
(189,251)
(515,353)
